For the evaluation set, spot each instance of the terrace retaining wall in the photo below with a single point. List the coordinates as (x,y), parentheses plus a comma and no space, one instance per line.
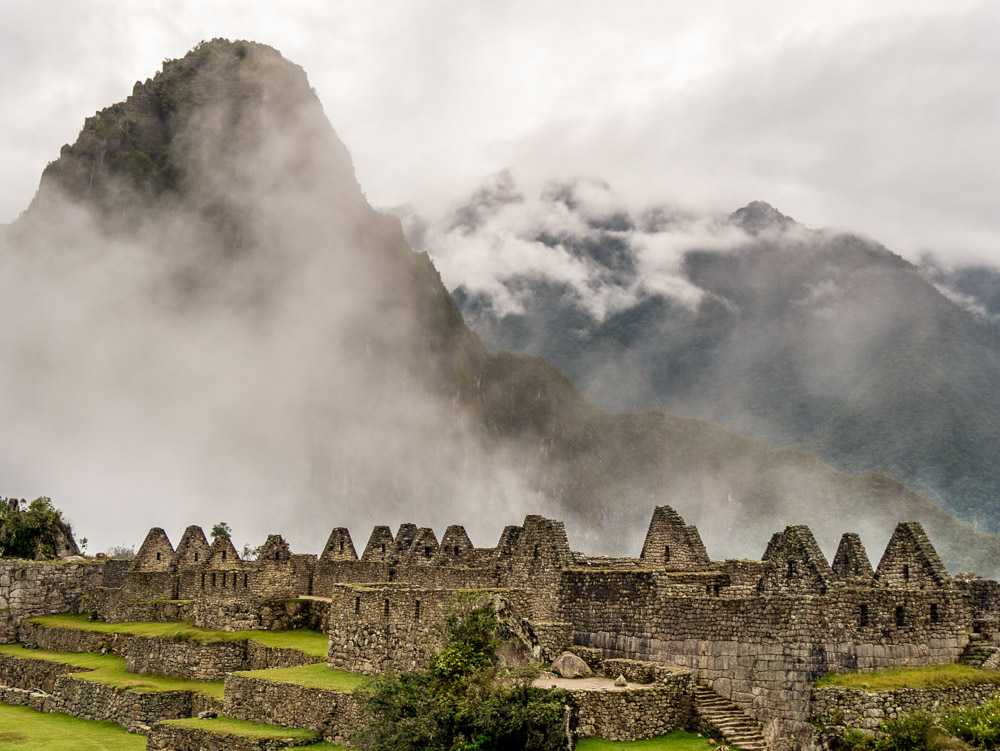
(837,706)
(334,714)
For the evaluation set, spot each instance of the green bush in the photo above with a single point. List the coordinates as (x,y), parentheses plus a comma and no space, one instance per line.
(978,726)
(31,532)
(463,701)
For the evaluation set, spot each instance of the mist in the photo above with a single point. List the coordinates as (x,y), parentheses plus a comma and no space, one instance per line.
(817,339)
(246,346)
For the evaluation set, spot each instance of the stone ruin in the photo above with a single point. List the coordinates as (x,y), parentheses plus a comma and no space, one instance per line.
(758,632)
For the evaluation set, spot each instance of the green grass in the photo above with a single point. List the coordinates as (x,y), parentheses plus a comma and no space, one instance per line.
(931,676)
(228,726)
(678,740)
(24,729)
(312,643)
(109,670)
(310,676)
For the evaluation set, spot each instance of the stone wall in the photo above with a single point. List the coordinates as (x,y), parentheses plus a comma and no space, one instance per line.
(22,697)
(333,714)
(73,640)
(27,673)
(29,588)
(635,714)
(554,638)
(835,706)
(185,659)
(374,628)
(182,658)
(173,738)
(763,652)
(637,671)
(129,709)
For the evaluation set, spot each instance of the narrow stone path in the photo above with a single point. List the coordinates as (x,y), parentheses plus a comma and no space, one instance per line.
(734,725)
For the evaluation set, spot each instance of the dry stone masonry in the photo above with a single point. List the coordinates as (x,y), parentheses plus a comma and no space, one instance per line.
(758,633)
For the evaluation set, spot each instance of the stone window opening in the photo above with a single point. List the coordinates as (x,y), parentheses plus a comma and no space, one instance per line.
(387,609)
(157,556)
(537,549)
(416,610)
(427,552)
(900,616)
(666,554)
(277,556)
(357,606)
(791,570)
(203,581)
(715,590)
(244,580)
(341,546)
(223,555)
(934,612)
(381,547)
(906,572)
(392,575)
(196,557)
(213,579)
(863,616)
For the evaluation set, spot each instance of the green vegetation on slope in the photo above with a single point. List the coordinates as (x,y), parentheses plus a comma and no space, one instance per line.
(24,729)
(973,726)
(109,670)
(242,728)
(310,676)
(931,676)
(311,643)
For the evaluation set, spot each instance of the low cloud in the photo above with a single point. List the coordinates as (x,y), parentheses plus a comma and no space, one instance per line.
(580,235)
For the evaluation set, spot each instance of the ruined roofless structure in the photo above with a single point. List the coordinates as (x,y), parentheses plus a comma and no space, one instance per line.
(758,632)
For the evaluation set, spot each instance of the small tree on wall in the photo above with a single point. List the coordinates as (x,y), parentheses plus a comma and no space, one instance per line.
(221,530)
(34,530)
(465,700)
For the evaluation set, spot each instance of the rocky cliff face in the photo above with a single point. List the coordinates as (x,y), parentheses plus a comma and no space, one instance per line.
(214,305)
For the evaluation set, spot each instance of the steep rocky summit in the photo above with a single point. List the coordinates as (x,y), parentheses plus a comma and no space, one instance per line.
(265,328)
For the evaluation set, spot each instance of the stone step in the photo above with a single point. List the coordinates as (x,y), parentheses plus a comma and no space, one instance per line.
(735,726)
(976,654)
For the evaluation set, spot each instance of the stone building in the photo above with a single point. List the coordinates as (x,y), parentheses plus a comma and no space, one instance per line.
(758,632)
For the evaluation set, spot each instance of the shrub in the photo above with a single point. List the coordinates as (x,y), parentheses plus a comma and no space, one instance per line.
(463,701)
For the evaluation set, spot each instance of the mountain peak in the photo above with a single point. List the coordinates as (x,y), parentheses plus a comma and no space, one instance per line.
(758,216)
(201,116)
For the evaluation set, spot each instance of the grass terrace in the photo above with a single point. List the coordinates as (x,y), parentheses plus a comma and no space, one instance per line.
(228,726)
(952,675)
(109,670)
(678,740)
(24,729)
(311,643)
(310,676)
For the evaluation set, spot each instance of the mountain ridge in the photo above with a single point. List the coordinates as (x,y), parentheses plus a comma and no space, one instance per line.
(294,338)
(793,336)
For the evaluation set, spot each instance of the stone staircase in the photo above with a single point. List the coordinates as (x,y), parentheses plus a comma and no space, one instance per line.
(977,653)
(734,725)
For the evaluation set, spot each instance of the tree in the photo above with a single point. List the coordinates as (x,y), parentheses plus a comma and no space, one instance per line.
(464,701)
(38,531)
(221,530)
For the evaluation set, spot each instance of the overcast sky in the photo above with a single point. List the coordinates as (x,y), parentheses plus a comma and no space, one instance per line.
(881,116)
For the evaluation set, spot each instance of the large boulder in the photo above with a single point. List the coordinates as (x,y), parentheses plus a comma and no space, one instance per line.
(568,665)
